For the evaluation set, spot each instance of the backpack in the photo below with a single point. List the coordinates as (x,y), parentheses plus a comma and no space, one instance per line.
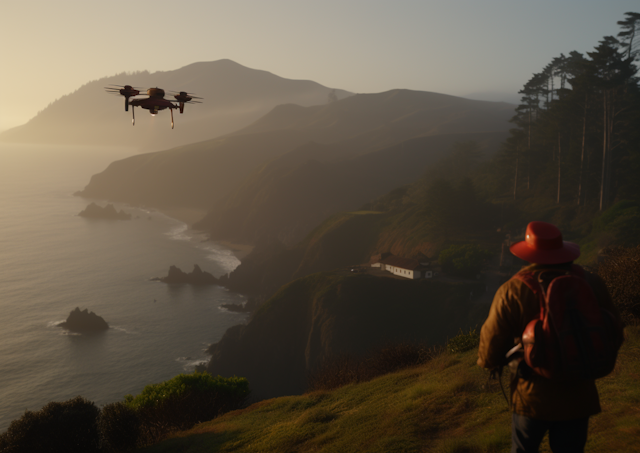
(573,337)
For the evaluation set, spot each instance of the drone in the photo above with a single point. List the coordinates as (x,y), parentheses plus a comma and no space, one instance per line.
(154,102)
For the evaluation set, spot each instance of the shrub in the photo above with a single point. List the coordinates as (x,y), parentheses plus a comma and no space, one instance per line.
(463,260)
(119,427)
(344,369)
(620,271)
(183,401)
(70,426)
(464,341)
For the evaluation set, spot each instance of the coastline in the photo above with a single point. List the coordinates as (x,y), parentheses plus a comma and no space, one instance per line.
(239,250)
(192,215)
(186,215)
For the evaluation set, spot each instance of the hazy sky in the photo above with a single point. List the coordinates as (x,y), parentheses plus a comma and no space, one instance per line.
(51,48)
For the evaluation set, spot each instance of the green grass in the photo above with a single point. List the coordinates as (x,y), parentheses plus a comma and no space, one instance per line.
(443,406)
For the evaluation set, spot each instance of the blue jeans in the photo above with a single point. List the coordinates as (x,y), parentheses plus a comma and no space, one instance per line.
(564,437)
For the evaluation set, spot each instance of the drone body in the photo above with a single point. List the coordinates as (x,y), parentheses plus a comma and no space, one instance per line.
(154,102)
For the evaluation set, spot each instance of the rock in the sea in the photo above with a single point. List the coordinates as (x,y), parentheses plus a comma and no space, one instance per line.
(196,277)
(94,211)
(84,321)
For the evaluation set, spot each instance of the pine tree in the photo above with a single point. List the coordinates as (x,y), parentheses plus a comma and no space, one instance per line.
(629,34)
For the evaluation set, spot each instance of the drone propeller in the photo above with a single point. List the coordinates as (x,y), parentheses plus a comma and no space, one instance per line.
(183,93)
(127,91)
(113,86)
(183,96)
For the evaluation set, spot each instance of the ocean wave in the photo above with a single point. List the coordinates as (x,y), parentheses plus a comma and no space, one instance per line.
(179,233)
(55,323)
(190,363)
(122,329)
(68,333)
(224,257)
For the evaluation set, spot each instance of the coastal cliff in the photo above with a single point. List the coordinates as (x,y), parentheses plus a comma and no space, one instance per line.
(328,314)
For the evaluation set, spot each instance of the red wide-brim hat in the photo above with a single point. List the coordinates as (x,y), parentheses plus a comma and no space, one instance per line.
(543,244)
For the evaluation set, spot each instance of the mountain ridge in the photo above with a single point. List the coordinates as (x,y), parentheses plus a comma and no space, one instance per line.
(220,165)
(234,96)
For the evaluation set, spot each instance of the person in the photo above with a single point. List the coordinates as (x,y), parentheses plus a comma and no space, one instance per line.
(538,404)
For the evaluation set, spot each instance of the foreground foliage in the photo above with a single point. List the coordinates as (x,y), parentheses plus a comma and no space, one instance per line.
(464,341)
(620,270)
(79,426)
(178,403)
(70,426)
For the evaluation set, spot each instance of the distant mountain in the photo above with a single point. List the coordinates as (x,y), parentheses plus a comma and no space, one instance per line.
(495,96)
(202,174)
(234,96)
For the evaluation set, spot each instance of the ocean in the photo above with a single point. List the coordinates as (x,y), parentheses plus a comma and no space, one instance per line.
(52,261)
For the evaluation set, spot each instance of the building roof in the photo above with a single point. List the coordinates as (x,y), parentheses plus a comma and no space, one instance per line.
(404,263)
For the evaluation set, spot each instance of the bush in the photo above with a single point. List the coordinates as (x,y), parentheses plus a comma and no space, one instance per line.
(619,269)
(70,426)
(464,341)
(344,369)
(119,427)
(463,260)
(183,401)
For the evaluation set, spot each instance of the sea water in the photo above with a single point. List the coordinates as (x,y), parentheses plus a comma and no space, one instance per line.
(52,261)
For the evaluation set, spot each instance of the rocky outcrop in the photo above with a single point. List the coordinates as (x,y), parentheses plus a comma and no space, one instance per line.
(94,211)
(84,321)
(196,277)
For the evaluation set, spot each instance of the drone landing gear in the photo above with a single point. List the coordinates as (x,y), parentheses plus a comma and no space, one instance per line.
(171,110)
(133,120)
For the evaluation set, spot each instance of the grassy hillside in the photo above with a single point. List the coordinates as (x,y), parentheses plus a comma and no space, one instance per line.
(443,406)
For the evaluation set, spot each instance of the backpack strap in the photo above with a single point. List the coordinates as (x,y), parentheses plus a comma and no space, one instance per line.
(530,279)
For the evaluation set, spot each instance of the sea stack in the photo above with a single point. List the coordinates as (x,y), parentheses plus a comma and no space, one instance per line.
(196,277)
(94,211)
(84,321)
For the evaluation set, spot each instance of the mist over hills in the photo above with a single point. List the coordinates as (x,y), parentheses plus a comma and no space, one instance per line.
(289,196)
(234,96)
(202,174)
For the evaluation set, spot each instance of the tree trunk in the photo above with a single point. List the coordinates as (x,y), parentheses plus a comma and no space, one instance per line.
(605,130)
(584,134)
(559,166)
(529,154)
(515,182)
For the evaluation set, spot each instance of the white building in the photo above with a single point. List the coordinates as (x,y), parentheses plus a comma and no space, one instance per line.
(404,267)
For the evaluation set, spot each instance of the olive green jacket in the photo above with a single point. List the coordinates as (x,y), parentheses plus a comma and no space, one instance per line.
(514,305)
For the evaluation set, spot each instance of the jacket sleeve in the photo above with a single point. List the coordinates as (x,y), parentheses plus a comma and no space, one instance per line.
(499,332)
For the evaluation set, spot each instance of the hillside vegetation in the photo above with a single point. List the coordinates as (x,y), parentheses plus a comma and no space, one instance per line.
(446,405)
